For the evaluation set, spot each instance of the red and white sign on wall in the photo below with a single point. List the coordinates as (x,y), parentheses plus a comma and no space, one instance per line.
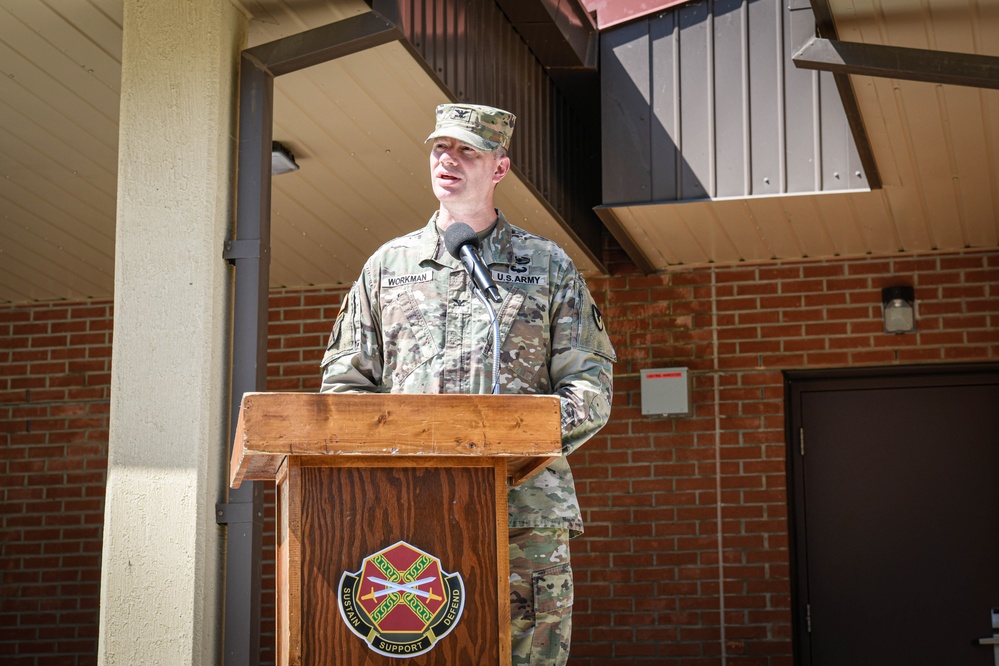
(666,392)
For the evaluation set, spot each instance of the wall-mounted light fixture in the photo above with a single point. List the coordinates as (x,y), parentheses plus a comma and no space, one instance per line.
(282,161)
(898,309)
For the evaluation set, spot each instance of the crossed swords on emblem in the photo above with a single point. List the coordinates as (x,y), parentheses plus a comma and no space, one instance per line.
(401,588)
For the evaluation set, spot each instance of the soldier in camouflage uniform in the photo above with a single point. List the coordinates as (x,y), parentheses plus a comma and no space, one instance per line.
(410,324)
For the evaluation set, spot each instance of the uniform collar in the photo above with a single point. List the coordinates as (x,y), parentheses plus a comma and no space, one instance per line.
(497,248)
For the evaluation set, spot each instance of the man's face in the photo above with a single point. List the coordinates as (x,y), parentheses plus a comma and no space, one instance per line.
(460,174)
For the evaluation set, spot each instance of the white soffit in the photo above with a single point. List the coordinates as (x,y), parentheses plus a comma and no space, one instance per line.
(357,126)
(936,146)
(60,73)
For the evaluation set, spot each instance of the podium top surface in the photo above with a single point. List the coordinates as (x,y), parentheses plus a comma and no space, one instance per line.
(271,426)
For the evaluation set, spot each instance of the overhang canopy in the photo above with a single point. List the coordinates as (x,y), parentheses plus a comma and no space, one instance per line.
(742,156)
(363,179)
(356,126)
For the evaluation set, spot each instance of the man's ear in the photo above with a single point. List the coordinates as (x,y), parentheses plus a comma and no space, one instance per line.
(502,167)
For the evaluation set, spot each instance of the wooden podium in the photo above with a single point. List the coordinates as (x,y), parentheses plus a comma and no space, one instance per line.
(392,519)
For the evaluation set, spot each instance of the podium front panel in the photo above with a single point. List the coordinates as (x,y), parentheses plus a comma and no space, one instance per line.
(441,517)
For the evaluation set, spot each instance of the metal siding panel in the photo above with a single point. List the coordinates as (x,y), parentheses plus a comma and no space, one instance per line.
(550,154)
(460,82)
(765,96)
(438,36)
(664,130)
(506,73)
(731,99)
(625,111)
(538,120)
(696,113)
(802,116)
(457,47)
(836,138)
(854,165)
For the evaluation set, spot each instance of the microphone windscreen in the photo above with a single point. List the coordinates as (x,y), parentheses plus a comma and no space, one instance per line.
(458,234)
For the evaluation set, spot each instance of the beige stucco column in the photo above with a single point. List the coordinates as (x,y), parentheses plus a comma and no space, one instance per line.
(161,578)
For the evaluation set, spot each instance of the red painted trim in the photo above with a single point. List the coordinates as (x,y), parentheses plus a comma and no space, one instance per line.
(612,12)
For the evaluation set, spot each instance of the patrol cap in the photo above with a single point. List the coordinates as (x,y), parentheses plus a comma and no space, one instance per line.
(483,127)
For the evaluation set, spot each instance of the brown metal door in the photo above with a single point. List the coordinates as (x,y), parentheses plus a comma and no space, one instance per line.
(895,516)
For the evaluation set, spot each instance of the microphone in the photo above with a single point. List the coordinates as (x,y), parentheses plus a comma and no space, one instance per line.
(462,243)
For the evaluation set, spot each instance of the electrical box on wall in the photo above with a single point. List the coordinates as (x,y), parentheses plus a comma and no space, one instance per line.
(666,392)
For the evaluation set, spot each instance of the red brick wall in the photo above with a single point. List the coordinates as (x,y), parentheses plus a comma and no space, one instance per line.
(654,572)
(685,554)
(55,365)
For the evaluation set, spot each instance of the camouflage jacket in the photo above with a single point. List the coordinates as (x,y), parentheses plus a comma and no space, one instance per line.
(411,324)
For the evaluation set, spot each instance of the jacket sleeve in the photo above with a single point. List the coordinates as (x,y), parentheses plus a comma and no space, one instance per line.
(582,358)
(353,358)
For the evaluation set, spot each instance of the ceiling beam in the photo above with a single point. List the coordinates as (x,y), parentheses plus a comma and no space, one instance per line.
(896,62)
(325,43)
(825,27)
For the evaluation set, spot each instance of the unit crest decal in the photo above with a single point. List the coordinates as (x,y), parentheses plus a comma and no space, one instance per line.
(401,602)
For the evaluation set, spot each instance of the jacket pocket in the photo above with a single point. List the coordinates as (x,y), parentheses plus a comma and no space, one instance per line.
(412,340)
(552,589)
(552,616)
(524,351)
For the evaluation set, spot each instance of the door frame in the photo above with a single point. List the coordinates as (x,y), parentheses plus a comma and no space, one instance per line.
(796,382)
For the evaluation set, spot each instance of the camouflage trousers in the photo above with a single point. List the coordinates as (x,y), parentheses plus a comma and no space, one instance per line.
(540,596)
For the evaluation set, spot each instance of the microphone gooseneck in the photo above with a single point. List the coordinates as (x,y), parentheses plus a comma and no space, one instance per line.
(462,243)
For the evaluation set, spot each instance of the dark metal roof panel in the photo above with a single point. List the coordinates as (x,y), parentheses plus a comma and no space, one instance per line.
(478,56)
(703,101)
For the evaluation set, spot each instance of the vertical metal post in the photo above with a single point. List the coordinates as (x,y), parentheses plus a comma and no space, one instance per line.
(250,252)
(243,514)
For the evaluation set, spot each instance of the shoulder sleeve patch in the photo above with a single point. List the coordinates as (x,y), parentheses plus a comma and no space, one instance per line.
(337,345)
(592,332)
(598,319)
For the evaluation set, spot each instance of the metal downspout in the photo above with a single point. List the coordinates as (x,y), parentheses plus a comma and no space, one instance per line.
(250,252)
